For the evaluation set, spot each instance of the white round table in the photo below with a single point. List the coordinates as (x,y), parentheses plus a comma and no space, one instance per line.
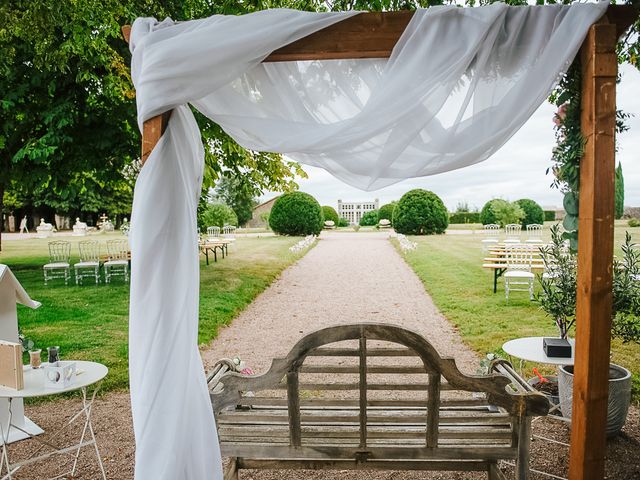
(530,349)
(87,374)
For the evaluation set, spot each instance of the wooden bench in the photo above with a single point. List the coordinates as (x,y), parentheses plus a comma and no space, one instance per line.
(379,397)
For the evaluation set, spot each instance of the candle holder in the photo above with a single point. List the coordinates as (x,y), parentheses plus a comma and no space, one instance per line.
(53,354)
(34,358)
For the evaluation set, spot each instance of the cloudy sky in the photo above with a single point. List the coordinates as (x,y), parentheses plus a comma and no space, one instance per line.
(516,171)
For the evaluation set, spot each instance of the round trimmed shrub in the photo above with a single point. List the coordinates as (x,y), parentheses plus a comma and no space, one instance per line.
(369,219)
(420,212)
(329,213)
(386,211)
(487,214)
(296,213)
(533,212)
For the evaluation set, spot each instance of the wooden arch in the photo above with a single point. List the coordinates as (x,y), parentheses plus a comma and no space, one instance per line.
(373,35)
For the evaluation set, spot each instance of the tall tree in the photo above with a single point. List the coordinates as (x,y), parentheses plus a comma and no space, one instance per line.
(239,194)
(619,192)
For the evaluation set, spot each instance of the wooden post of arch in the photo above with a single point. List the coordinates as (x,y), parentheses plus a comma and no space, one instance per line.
(599,64)
(373,35)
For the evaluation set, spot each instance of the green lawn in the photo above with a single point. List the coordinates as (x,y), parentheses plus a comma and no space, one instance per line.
(90,322)
(450,268)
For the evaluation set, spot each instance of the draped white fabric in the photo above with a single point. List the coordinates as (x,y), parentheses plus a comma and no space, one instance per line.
(459,84)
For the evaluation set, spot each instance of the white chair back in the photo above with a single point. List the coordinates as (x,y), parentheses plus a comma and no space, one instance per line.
(519,258)
(491,231)
(534,232)
(513,232)
(89,251)
(59,251)
(213,232)
(228,231)
(118,249)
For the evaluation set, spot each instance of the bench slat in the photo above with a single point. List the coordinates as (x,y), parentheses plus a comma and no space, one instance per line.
(354,352)
(258,450)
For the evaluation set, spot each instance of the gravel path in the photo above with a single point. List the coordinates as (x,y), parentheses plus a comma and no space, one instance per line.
(346,278)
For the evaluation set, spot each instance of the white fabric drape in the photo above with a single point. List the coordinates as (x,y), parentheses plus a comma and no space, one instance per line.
(459,83)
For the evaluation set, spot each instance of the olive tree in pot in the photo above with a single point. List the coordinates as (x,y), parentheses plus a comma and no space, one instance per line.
(558,300)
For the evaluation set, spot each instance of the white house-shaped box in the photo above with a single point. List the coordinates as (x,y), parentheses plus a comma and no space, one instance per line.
(12,293)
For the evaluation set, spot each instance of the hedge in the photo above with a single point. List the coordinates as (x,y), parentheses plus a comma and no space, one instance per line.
(296,213)
(464,217)
(549,215)
(420,212)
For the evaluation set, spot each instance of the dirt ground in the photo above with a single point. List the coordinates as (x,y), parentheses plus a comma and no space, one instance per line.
(346,278)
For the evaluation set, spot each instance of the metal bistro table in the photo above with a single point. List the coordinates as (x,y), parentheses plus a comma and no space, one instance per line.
(530,349)
(87,374)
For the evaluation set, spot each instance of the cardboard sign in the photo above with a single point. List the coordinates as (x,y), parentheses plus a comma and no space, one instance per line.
(11,374)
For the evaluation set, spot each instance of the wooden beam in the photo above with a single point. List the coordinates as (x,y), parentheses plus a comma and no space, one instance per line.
(595,254)
(367,35)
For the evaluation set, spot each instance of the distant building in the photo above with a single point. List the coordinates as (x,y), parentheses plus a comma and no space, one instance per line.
(353,211)
(260,215)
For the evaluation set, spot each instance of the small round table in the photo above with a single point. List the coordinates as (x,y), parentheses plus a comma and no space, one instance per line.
(87,374)
(530,349)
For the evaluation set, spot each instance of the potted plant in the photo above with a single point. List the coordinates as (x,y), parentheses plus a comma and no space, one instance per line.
(558,300)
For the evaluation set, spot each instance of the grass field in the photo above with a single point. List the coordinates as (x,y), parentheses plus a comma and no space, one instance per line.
(450,268)
(90,322)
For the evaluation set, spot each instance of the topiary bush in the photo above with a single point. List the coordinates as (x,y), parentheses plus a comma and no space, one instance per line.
(386,211)
(296,213)
(330,214)
(487,214)
(369,219)
(533,212)
(420,212)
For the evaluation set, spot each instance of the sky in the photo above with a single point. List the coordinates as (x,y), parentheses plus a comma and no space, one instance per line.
(517,170)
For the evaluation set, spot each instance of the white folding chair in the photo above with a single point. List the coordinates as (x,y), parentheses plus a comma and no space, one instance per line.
(229,232)
(59,258)
(89,264)
(534,233)
(118,261)
(518,273)
(512,233)
(491,234)
(213,233)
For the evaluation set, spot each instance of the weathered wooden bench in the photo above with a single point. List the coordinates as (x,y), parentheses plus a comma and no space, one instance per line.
(372,396)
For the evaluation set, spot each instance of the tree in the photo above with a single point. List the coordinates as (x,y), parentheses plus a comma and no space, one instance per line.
(330,214)
(216,215)
(369,218)
(533,212)
(506,212)
(239,194)
(486,214)
(386,211)
(619,192)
